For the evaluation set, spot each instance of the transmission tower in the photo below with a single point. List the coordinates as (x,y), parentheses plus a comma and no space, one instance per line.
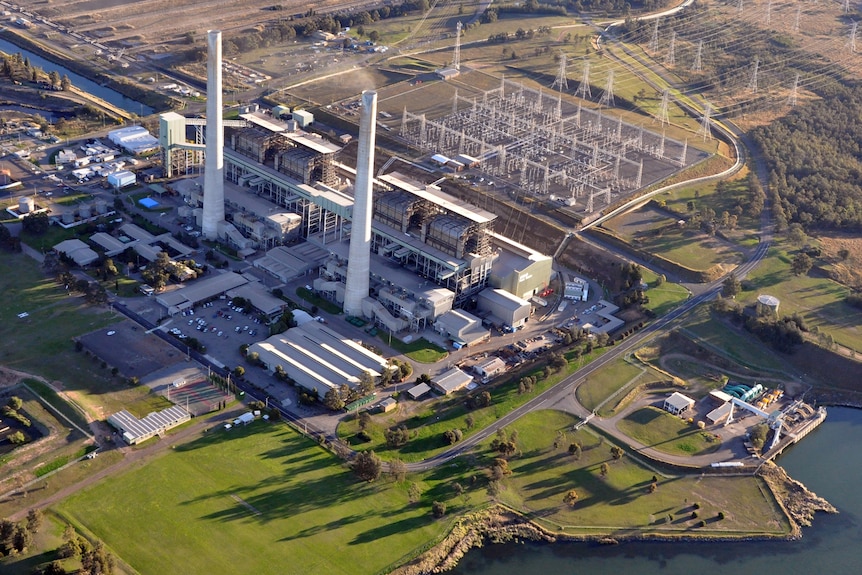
(698,58)
(456,61)
(768,18)
(608,96)
(584,88)
(798,14)
(653,43)
(739,5)
(662,109)
(752,84)
(561,82)
(671,51)
(705,131)
(846,6)
(852,41)
(793,93)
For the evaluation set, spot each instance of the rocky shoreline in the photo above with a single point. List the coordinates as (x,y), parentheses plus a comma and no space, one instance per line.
(499,524)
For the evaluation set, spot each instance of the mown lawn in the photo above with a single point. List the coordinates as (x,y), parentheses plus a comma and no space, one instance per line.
(668,433)
(604,383)
(420,350)
(542,474)
(250,499)
(665,297)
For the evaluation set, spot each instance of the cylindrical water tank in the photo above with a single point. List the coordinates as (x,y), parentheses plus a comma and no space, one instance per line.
(84,210)
(26,204)
(101,206)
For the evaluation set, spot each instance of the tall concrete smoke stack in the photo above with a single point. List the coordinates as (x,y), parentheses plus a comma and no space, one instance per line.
(359,257)
(214,161)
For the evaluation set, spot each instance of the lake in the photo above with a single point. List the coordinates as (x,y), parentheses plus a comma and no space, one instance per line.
(829,462)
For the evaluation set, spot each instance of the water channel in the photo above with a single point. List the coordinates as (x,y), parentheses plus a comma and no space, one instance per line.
(829,462)
(79,81)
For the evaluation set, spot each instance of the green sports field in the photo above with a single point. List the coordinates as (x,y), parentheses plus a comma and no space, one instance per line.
(257,499)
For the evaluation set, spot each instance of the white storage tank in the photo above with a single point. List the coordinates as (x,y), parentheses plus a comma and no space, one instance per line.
(84,210)
(101,206)
(26,204)
(767,305)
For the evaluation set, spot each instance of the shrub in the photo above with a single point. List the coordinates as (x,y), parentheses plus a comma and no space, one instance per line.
(438,508)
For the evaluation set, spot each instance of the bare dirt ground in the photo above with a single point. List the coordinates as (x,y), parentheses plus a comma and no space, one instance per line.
(849,271)
(136,23)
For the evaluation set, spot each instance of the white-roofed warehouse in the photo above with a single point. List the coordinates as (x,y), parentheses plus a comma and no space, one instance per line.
(317,358)
(136,430)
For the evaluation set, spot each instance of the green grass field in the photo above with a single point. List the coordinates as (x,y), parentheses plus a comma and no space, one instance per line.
(49,537)
(665,297)
(818,299)
(428,425)
(253,496)
(668,433)
(420,350)
(620,501)
(318,301)
(604,383)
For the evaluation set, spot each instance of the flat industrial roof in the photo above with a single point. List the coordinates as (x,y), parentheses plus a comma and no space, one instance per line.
(317,357)
(317,144)
(503,298)
(266,122)
(440,198)
(134,428)
(202,289)
(452,380)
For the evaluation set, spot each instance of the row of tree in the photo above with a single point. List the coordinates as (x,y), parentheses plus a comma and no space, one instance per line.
(19,69)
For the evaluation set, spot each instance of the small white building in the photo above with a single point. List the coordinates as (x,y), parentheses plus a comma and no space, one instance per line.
(122,179)
(678,403)
(451,381)
(492,367)
(303,118)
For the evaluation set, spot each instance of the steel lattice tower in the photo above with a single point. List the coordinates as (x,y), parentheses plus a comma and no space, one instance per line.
(752,84)
(671,51)
(456,60)
(653,43)
(561,82)
(705,130)
(794,93)
(697,66)
(608,95)
(662,109)
(584,88)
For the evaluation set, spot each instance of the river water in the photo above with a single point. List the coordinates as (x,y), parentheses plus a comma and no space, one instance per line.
(79,81)
(828,461)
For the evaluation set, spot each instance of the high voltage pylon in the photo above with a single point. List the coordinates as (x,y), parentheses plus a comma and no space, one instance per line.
(697,66)
(607,98)
(768,17)
(798,14)
(739,5)
(752,83)
(671,51)
(794,93)
(846,6)
(653,43)
(705,131)
(561,82)
(852,41)
(662,108)
(584,88)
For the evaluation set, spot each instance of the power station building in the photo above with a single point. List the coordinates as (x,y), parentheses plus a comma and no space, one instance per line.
(400,252)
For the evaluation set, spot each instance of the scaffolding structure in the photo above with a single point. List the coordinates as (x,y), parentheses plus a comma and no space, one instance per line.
(544,145)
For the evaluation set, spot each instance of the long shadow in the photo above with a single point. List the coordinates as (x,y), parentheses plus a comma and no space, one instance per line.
(323,527)
(390,529)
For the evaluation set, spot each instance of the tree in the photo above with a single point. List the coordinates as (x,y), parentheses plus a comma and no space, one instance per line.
(844,253)
(367,465)
(438,508)
(731,286)
(21,538)
(617,452)
(397,436)
(34,520)
(110,267)
(97,561)
(53,568)
(239,371)
(366,383)
(414,493)
(17,438)
(15,403)
(36,224)
(65,83)
(604,469)
(364,420)
(499,469)
(575,450)
(796,234)
(571,498)
(469,421)
(374,36)
(333,400)
(398,470)
(801,264)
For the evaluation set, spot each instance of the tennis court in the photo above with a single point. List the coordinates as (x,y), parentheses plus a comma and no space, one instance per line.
(197,397)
